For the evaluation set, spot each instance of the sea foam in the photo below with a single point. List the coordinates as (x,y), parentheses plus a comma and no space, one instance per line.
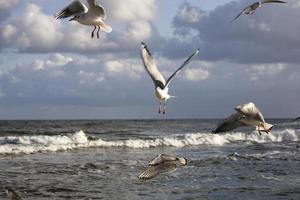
(33,144)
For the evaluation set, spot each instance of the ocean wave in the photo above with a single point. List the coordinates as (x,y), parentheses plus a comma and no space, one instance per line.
(33,144)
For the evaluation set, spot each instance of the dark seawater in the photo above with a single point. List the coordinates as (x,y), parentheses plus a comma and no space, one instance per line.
(101,159)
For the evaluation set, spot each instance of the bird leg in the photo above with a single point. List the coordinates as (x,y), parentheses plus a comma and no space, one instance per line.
(159,109)
(164,108)
(93,32)
(98,32)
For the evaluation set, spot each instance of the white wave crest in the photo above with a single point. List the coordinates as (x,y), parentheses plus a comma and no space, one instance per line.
(32,144)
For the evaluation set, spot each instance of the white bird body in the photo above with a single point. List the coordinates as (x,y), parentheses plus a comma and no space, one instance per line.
(161,85)
(93,15)
(162,94)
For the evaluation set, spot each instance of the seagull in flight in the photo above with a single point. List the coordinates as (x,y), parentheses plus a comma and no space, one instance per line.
(161,85)
(246,115)
(93,15)
(250,10)
(12,195)
(161,164)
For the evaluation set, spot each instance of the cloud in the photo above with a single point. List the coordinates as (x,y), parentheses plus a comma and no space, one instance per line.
(263,70)
(269,36)
(6,7)
(33,31)
(130,10)
(188,16)
(55,60)
(124,68)
(197,74)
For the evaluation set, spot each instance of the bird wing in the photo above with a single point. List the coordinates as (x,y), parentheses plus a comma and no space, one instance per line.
(180,68)
(161,158)
(251,110)
(153,171)
(151,67)
(239,14)
(272,1)
(97,9)
(230,123)
(74,8)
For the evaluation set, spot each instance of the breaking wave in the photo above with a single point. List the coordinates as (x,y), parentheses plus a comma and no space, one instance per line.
(33,144)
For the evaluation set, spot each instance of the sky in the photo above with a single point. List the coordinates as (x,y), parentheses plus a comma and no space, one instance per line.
(52,69)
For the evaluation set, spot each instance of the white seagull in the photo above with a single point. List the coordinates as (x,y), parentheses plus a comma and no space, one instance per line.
(94,15)
(250,10)
(161,164)
(12,195)
(246,115)
(161,85)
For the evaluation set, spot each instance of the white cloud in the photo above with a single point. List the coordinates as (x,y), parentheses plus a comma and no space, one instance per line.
(34,31)
(190,14)
(138,31)
(196,74)
(124,68)
(130,10)
(55,60)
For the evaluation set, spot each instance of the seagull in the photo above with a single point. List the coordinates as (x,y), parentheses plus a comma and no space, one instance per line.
(250,10)
(246,115)
(94,15)
(161,164)
(161,85)
(12,195)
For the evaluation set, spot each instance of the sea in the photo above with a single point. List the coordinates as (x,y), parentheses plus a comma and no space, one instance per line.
(101,159)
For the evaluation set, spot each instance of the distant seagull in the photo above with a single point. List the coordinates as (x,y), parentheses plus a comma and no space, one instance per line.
(12,195)
(162,164)
(161,85)
(246,115)
(249,10)
(92,16)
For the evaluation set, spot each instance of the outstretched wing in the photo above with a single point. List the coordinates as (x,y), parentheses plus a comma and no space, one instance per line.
(161,158)
(75,8)
(153,171)
(230,123)
(272,1)
(97,9)
(151,67)
(180,68)
(241,13)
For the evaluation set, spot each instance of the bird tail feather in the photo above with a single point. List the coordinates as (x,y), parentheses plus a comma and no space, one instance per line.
(105,27)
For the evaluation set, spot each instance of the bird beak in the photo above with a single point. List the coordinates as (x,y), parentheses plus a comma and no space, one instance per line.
(72,19)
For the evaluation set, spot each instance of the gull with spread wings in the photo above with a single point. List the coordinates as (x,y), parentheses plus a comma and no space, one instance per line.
(161,85)
(93,15)
(249,10)
(161,164)
(246,115)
